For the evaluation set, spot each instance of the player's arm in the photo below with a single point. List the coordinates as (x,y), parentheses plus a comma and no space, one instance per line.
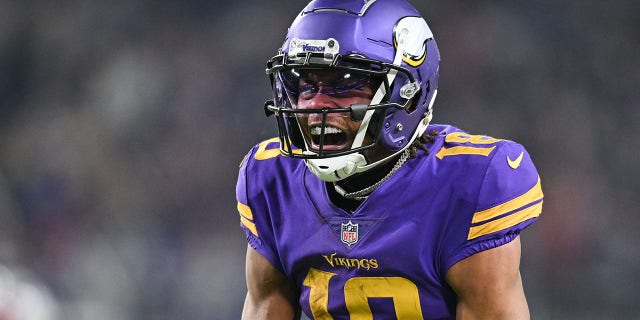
(270,294)
(489,286)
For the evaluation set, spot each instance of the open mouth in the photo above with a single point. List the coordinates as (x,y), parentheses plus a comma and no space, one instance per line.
(334,138)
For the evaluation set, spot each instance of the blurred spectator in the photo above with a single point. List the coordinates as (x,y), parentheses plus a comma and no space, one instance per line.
(23,298)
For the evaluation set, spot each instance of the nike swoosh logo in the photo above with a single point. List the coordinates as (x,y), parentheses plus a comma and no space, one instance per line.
(514,164)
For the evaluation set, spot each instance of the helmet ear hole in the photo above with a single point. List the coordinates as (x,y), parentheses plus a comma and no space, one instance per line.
(413,104)
(376,123)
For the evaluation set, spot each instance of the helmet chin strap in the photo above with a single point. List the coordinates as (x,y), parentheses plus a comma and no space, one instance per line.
(338,168)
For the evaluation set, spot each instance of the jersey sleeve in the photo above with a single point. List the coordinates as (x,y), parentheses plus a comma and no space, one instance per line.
(254,217)
(509,200)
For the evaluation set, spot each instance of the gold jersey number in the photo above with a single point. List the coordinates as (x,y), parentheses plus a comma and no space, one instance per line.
(358,290)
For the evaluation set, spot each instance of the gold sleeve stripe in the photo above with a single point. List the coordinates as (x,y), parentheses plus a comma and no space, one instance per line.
(505,222)
(245,211)
(250,225)
(245,218)
(463,150)
(534,194)
(263,154)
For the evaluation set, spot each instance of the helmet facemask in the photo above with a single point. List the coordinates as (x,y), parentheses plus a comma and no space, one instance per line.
(355,92)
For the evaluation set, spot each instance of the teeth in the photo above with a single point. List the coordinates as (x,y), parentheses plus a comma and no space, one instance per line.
(315,131)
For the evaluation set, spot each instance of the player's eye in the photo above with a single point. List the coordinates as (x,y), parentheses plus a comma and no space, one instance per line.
(307,90)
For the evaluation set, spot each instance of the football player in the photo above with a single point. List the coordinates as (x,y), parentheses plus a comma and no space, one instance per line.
(362,209)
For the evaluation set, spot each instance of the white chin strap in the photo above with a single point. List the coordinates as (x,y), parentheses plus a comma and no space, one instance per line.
(336,168)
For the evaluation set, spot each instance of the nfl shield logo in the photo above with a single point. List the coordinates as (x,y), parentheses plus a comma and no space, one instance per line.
(349,234)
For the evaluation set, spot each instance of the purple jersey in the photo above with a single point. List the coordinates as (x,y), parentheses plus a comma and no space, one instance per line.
(388,259)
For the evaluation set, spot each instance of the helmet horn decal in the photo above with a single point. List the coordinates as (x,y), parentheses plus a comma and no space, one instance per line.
(414,52)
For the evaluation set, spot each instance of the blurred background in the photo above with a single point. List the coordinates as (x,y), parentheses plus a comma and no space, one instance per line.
(122,124)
